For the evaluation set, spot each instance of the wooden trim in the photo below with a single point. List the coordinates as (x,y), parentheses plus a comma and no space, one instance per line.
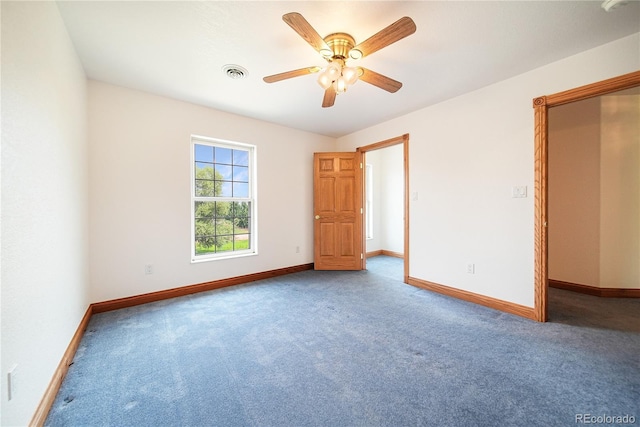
(575,287)
(594,290)
(540,209)
(359,196)
(383,144)
(119,303)
(384,252)
(494,303)
(363,204)
(541,107)
(40,415)
(391,253)
(603,87)
(404,140)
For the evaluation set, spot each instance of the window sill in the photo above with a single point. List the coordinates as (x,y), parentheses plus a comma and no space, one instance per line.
(205,258)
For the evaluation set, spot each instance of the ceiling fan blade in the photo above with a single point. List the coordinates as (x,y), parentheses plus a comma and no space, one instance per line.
(290,74)
(383,82)
(329,97)
(306,31)
(400,29)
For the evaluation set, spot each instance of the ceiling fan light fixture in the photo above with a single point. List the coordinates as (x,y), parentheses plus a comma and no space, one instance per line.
(334,70)
(324,80)
(338,76)
(327,53)
(355,54)
(337,48)
(341,85)
(350,75)
(609,5)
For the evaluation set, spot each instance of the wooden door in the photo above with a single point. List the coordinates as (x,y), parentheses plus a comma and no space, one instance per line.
(337,203)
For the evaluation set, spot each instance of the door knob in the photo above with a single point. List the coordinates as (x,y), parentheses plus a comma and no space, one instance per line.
(317,216)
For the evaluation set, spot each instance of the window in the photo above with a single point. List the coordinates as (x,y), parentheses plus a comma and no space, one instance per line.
(369,201)
(223,199)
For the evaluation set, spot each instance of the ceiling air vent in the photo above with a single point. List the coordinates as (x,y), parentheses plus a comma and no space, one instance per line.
(235,72)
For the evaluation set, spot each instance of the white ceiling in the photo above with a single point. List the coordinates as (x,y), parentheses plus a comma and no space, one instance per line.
(177,49)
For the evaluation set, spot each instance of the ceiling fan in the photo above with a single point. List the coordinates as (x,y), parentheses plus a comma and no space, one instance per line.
(337,48)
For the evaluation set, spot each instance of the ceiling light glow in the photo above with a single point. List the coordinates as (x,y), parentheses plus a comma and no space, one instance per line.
(339,76)
(609,5)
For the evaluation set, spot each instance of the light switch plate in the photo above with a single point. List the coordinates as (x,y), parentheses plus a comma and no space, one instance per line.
(519,191)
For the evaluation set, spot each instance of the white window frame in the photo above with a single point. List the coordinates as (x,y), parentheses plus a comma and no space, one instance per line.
(252,199)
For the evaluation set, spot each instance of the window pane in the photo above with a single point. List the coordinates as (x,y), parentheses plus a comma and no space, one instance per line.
(242,226)
(224,211)
(240,189)
(241,157)
(369,202)
(205,188)
(221,173)
(241,216)
(241,210)
(224,231)
(205,236)
(241,173)
(241,242)
(204,227)
(225,189)
(205,210)
(223,155)
(202,248)
(204,170)
(203,153)
(224,235)
(224,172)
(204,180)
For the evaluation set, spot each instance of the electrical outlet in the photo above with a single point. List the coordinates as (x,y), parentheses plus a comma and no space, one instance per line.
(471,268)
(12,382)
(297,249)
(148,269)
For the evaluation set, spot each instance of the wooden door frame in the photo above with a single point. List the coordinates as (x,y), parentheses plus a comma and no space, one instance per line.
(404,140)
(541,107)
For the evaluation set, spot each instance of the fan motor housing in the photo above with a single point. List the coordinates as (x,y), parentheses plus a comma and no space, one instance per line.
(340,44)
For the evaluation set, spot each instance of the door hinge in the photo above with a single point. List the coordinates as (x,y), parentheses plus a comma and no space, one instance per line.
(360,165)
(361,256)
(361,211)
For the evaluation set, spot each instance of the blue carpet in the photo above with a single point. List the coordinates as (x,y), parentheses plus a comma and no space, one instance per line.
(324,348)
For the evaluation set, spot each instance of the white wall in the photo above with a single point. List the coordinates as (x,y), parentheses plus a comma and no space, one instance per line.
(374,158)
(392,196)
(137,170)
(594,191)
(574,192)
(620,192)
(388,199)
(44,200)
(465,155)
(139,192)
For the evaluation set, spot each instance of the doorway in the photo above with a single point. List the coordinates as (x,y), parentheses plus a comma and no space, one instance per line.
(541,108)
(594,210)
(396,246)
